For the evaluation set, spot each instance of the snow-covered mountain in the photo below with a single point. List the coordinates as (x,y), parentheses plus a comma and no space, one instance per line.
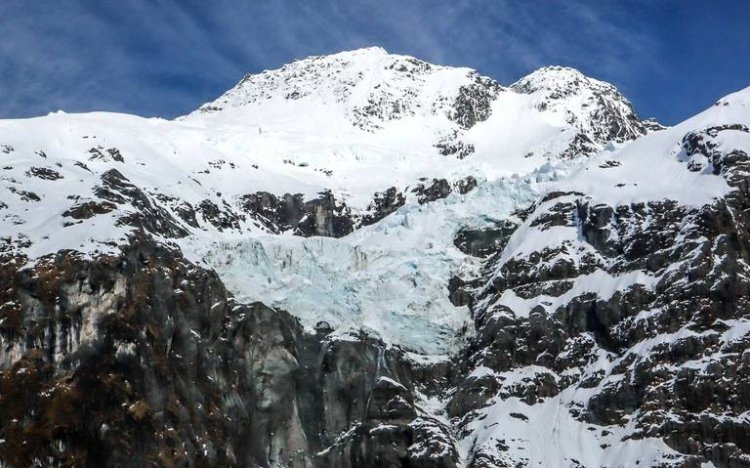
(475,275)
(323,146)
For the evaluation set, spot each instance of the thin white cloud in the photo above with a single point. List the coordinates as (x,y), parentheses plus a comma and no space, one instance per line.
(167,56)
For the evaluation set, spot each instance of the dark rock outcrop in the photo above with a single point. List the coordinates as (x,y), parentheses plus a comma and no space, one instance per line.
(484,242)
(44,173)
(438,189)
(222,218)
(116,189)
(383,204)
(89,209)
(322,216)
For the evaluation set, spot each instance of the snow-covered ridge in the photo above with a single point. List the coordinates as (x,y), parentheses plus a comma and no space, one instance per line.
(369,87)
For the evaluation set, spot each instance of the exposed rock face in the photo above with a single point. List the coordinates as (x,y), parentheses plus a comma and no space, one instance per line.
(383,204)
(484,242)
(606,116)
(451,145)
(147,215)
(368,400)
(142,359)
(44,173)
(473,102)
(441,188)
(220,218)
(326,216)
(89,209)
(323,216)
(181,374)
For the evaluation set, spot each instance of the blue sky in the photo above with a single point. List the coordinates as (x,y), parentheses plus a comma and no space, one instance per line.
(672,58)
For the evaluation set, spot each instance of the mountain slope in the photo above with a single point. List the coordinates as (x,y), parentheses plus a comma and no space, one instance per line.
(615,318)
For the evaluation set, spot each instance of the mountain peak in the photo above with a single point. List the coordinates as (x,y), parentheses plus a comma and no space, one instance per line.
(367,86)
(560,71)
(370,51)
(596,107)
(558,79)
(363,57)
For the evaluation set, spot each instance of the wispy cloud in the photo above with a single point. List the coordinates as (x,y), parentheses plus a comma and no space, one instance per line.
(165,57)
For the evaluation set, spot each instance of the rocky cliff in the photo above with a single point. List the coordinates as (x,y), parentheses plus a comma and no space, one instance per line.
(143,358)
